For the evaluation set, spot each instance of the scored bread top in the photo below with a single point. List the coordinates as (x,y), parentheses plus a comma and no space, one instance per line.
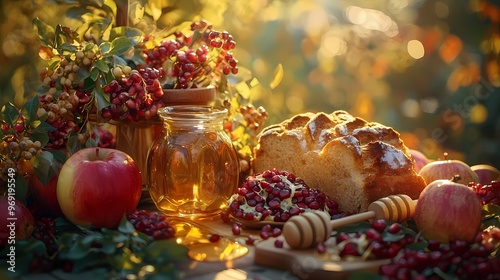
(354,161)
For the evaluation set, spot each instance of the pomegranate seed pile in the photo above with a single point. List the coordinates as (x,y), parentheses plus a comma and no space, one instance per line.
(276,196)
(152,224)
(489,193)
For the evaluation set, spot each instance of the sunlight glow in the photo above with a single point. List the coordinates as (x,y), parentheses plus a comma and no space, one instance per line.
(331,45)
(415,49)
(372,20)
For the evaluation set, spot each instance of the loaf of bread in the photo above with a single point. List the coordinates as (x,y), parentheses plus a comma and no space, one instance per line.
(353,161)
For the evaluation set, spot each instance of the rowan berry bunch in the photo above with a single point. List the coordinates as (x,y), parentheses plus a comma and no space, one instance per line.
(17,146)
(134,95)
(194,58)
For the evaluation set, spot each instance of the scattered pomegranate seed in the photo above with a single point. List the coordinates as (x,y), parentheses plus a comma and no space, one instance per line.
(394,228)
(264,235)
(320,247)
(236,229)
(214,238)
(278,243)
(250,240)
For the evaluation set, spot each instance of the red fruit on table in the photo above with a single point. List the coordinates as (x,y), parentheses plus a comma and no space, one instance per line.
(98,186)
(16,221)
(446,169)
(486,173)
(420,160)
(448,210)
(44,197)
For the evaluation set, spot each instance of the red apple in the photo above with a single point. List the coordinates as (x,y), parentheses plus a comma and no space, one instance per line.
(486,173)
(446,169)
(44,197)
(98,186)
(446,209)
(420,160)
(16,221)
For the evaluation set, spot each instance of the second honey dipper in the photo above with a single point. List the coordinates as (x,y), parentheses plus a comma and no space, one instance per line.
(305,230)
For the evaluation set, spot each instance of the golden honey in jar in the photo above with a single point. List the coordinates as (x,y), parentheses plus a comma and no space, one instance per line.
(193,168)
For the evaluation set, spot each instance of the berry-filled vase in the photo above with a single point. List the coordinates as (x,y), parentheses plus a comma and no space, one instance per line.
(193,167)
(135,138)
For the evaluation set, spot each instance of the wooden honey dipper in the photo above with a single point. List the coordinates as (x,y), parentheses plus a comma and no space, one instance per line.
(305,230)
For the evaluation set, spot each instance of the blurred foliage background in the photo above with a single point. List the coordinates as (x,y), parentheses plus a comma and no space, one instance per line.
(430,69)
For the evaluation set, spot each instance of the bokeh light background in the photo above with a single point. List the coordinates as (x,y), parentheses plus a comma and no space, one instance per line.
(430,69)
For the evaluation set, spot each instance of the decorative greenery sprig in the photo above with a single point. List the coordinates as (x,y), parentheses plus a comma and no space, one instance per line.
(119,252)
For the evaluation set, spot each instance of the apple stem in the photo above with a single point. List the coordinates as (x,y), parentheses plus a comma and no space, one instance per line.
(97,152)
(455,178)
(445,155)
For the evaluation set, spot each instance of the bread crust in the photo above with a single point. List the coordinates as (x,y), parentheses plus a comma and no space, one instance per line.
(353,161)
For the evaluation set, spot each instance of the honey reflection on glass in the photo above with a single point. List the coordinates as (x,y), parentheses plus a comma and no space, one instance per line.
(195,238)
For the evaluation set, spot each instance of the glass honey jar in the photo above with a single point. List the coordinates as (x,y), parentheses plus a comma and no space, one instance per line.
(192,167)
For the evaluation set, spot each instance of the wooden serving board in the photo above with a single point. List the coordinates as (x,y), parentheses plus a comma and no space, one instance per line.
(305,264)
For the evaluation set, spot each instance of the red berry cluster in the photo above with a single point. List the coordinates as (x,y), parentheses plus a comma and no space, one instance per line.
(194,62)
(152,224)
(489,193)
(134,96)
(45,231)
(17,148)
(354,244)
(457,259)
(106,139)
(382,240)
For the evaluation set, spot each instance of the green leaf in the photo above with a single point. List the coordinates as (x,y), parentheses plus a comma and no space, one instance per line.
(45,32)
(24,252)
(101,98)
(491,216)
(356,227)
(40,134)
(73,144)
(59,156)
(10,113)
(91,142)
(119,60)
(63,35)
(162,251)
(94,73)
(46,126)
(418,246)
(389,237)
(66,47)
(364,275)
(87,262)
(101,65)
(154,8)
(125,226)
(88,47)
(21,188)
(105,47)
(30,109)
(126,31)
(45,167)
(88,84)
(120,45)
(77,12)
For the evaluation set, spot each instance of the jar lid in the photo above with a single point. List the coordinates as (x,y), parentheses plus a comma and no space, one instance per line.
(192,112)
